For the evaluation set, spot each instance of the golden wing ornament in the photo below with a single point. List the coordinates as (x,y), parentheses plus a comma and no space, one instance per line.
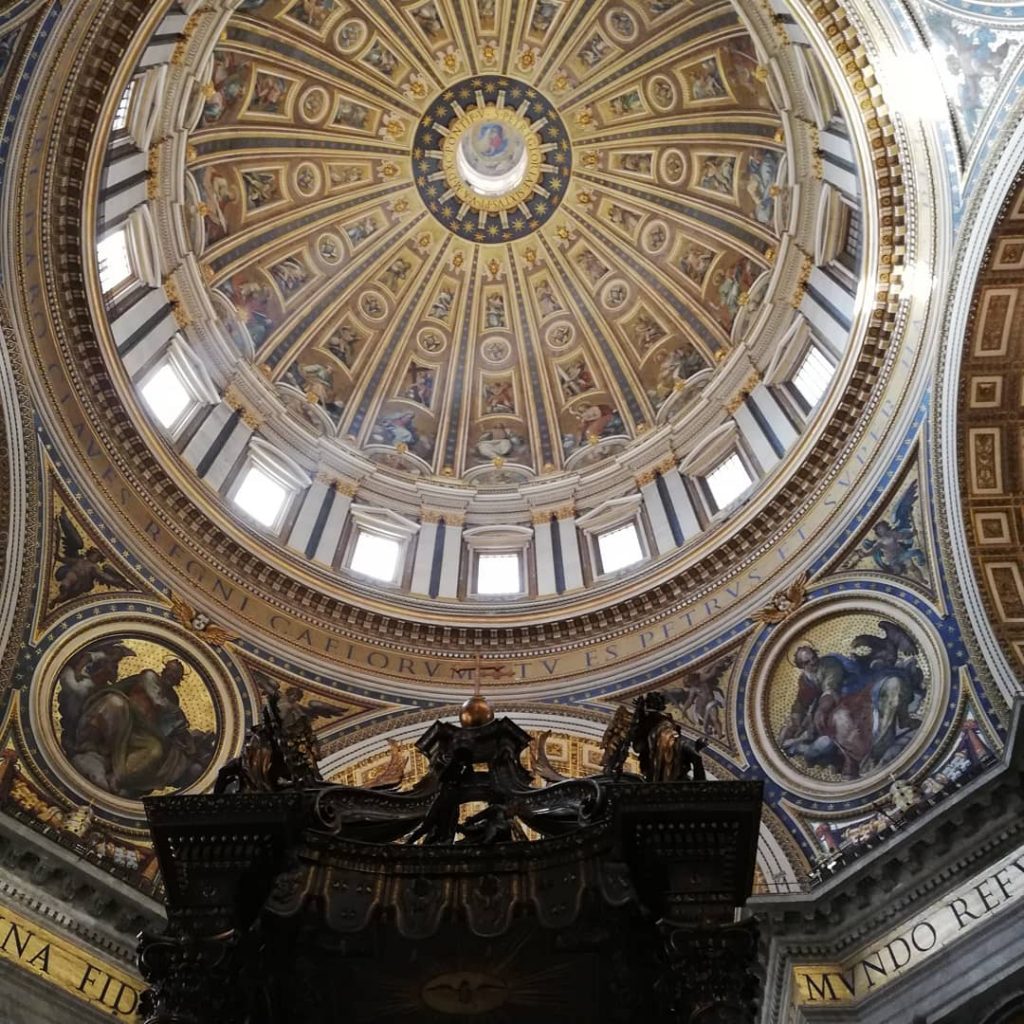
(217,636)
(182,611)
(200,624)
(784,603)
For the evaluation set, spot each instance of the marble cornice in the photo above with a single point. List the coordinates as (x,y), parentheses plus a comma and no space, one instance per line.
(60,886)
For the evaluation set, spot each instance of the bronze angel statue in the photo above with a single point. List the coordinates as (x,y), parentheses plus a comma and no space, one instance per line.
(665,753)
(281,749)
(81,568)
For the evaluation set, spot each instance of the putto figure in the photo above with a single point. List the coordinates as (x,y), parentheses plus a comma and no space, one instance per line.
(895,547)
(81,568)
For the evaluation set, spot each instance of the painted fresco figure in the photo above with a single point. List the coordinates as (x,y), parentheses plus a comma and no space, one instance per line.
(494,312)
(129,736)
(81,568)
(855,712)
(700,697)
(895,546)
(594,51)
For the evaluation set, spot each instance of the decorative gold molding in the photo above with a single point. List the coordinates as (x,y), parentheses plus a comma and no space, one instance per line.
(806,269)
(752,381)
(234,399)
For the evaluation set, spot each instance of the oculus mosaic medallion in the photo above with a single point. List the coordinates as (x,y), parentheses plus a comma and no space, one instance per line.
(491,159)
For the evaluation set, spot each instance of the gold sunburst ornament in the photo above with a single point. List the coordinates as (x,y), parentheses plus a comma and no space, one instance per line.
(498,154)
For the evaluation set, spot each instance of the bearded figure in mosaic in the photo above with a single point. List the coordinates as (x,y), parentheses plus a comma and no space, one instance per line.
(129,734)
(855,712)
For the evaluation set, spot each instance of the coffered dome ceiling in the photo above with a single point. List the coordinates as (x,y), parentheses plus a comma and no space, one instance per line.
(486,244)
(486,264)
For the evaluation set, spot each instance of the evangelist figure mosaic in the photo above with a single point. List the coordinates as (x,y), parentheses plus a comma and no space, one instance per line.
(134,716)
(850,698)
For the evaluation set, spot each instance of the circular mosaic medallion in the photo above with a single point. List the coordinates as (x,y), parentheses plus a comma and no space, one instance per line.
(495,350)
(128,708)
(492,159)
(847,694)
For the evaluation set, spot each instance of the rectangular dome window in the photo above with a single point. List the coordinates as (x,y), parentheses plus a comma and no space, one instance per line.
(120,121)
(376,556)
(619,548)
(167,397)
(499,574)
(728,480)
(114,265)
(261,497)
(813,376)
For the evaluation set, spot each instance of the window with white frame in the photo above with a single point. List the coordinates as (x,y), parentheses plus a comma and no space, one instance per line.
(378,543)
(620,548)
(497,562)
(176,386)
(728,480)
(261,497)
(120,121)
(499,573)
(813,376)
(167,396)
(614,535)
(375,556)
(266,484)
(115,266)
